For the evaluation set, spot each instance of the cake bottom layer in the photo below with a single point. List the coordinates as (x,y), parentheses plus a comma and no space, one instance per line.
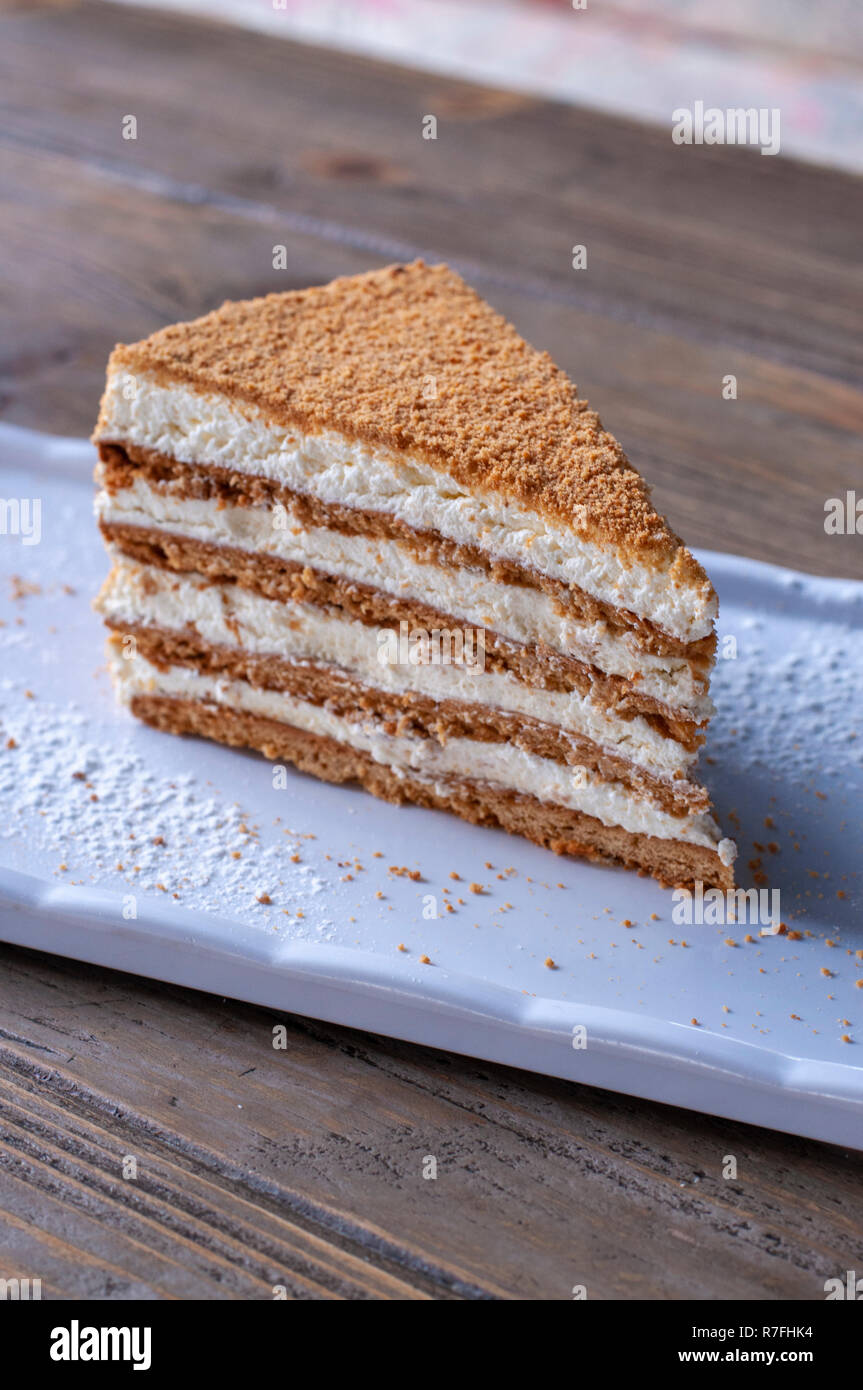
(562,829)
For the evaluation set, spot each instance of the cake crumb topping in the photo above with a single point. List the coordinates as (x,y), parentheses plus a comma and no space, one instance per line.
(410,358)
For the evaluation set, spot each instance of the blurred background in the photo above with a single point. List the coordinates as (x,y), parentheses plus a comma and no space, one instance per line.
(637,57)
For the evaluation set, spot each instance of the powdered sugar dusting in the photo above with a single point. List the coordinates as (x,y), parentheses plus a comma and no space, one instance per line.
(101,809)
(796,711)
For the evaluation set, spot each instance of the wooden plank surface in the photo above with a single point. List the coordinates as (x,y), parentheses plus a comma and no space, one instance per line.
(303,1168)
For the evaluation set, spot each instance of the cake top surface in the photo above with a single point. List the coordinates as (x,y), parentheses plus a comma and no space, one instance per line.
(412,359)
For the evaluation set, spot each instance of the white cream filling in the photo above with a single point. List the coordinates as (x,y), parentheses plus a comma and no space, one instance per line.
(211,429)
(522,614)
(501,765)
(232,617)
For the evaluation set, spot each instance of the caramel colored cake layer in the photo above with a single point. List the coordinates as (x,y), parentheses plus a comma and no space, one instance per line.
(280,580)
(409,713)
(123,468)
(367,530)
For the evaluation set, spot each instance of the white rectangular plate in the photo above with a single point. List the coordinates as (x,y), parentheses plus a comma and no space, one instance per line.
(750,1029)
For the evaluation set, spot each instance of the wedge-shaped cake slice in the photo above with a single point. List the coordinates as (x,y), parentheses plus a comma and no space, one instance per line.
(368,530)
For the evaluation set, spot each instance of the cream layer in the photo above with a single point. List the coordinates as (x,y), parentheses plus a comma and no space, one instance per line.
(501,764)
(226,615)
(516,612)
(194,427)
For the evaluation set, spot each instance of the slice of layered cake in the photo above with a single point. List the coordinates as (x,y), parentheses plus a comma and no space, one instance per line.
(366,529)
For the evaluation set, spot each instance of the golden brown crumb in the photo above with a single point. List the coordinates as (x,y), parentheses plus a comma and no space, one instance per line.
(549,963)
(504,417)
(454,875)
(264,898)
(845,1038)
(22,588)
(158,839)
(425,960)
(401,946)
(695,1023)
(10,743)
(476,887)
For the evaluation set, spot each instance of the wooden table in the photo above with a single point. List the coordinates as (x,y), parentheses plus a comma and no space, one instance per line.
(304,1167)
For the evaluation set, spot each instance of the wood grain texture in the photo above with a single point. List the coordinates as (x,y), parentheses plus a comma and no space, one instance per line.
(303,1168)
